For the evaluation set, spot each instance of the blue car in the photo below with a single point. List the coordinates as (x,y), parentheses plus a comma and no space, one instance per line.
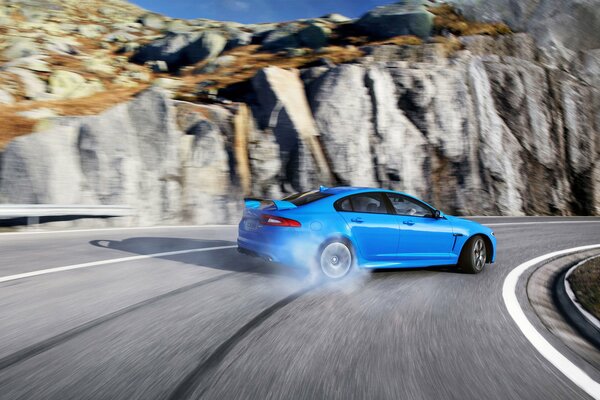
(338,229)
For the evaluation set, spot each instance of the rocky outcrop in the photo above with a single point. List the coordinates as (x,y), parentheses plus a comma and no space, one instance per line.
(489,130)
(343,110)
(284,109)
(566,26)
(406,17)
(474,124)
(181,49)
(134,153)
(484,131)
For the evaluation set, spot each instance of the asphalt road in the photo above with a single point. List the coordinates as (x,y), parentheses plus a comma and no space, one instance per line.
(218,325)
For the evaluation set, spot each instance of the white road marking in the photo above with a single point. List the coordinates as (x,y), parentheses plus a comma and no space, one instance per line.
(106,262)
(117,229)
(542,223)
(562,363)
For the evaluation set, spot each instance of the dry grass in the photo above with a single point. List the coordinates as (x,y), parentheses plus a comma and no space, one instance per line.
(450,44)
(406,40)
(14,125)
(249,60)
(585,282)
(448,19)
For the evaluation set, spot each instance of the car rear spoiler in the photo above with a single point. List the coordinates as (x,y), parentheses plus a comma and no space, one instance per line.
(251,202)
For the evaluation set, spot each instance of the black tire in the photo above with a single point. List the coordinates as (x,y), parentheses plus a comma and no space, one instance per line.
(473,257)
(335,259)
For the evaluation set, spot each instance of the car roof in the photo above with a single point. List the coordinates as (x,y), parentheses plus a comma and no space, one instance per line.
(343,190)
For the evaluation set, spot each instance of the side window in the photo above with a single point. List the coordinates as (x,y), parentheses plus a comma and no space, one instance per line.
(407,206)
(369,203)
(344,205)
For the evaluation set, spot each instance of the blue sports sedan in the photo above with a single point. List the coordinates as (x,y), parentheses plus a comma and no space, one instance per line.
(338,229)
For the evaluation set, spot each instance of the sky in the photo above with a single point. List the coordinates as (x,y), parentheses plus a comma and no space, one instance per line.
(253,11)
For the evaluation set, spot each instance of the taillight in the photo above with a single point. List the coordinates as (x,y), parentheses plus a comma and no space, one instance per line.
(272,220)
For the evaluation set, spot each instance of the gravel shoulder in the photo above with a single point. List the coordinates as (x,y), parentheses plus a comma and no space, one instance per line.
(585,282)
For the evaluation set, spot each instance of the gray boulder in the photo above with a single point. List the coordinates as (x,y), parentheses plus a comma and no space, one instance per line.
(282,38)
(237,38)
(91,31)
(34,14)
(70,85)
(152,21)
(120,36)
(407,17)
(35,88)
(178,50)
(314,36)
(6,97)
(21,48)
(207,47)
(260,31)
(214,65)
(62,45)
(336,18)
(178,26)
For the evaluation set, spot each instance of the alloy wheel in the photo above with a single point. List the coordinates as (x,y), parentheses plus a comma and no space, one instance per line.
(336,260)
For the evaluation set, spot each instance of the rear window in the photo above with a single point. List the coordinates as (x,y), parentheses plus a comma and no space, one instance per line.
(300,199)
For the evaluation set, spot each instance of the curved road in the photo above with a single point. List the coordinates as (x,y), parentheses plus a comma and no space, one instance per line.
(217,325)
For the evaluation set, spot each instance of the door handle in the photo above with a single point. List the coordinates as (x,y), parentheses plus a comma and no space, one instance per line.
(357,220)
(410,223)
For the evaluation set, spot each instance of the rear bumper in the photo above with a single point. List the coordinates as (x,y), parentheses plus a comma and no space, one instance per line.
(285,246)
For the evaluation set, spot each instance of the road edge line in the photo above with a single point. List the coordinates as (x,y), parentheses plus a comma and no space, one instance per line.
(562,363)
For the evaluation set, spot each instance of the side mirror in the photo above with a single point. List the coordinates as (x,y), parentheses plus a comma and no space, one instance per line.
(437,214)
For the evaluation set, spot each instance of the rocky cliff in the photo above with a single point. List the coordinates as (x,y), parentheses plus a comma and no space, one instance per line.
(475,124)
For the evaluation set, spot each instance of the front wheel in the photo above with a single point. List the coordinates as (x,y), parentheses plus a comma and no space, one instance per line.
(335,260)
(473,256)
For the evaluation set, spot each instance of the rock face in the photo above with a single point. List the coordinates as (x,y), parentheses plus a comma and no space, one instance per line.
(488,131)
(341,121)
(132,154)
(407,17)
(284,109)
(496,128)
(559,24)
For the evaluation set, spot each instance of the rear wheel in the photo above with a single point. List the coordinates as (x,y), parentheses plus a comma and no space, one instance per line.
(336,260)
(473,256)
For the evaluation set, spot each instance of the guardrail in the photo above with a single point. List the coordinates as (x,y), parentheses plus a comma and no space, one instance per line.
(33,212)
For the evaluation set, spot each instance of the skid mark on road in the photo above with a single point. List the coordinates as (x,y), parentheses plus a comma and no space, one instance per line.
(107,262)
(38,348)
(202,375)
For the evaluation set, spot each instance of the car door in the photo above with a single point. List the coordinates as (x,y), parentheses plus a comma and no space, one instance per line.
(422,236)
(374,230)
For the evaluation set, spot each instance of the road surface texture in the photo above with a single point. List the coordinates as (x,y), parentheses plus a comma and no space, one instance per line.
(215,324)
